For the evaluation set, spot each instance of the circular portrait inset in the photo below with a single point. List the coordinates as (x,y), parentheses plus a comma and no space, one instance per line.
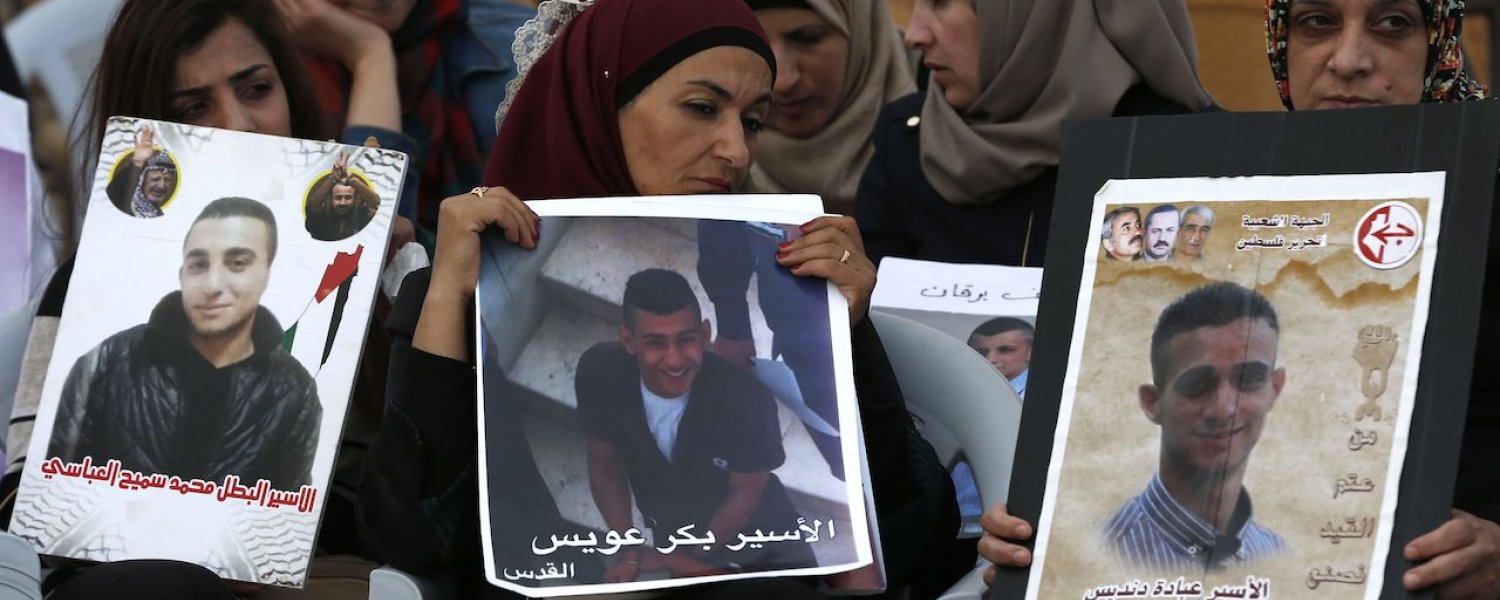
(143,182)
(340,203)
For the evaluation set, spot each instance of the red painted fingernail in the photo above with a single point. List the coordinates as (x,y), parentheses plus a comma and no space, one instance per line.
(804,227)
(784,245)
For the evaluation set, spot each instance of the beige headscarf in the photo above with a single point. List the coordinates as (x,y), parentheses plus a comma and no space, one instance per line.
(1043,61)
(831,162)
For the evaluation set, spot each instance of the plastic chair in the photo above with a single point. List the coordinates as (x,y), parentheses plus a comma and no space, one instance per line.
(390,583)
(20,569)
(965,405)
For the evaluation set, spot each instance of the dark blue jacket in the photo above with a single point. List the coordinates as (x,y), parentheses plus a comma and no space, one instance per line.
(900,214)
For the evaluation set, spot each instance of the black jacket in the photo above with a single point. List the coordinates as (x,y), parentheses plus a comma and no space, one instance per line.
(146,397)
(900,214)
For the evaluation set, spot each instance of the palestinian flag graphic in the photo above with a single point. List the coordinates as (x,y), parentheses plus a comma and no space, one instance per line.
(323,317)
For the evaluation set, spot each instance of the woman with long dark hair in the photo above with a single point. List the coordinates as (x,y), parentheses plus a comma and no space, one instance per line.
(215,63)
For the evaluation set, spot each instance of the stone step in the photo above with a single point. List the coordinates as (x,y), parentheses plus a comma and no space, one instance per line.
(549,362)
(589,267)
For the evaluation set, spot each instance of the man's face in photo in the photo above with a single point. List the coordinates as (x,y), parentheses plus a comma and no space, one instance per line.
(1220,384)
(1008,351)
(1161,233)
(343,199)
(225,268)
(668,349)
(157,185)
(1125,236)
(1193,235)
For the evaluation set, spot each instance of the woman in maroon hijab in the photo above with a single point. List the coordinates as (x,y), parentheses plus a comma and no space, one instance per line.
(633,97)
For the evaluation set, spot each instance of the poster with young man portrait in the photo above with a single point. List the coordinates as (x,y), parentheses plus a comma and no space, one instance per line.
(1239,422)
(663,404)
(205,357)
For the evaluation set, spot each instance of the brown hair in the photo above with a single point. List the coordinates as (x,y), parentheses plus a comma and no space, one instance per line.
(138,66)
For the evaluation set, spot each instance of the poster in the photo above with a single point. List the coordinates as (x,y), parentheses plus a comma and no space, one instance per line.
(1235,413)
(207,349)
(684,402)
(991,309)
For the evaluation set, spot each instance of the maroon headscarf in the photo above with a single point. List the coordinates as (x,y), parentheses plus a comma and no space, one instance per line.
(561,137)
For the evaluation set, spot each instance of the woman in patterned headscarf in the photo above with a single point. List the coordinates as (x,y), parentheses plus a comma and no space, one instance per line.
(1352,53)
(1407,52)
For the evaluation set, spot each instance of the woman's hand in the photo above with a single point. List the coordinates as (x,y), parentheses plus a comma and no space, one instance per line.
(332,32)
(455,264)
(831,248)
(1000,530)
(340,169)
(362,47)
(1461,559)
(461,220)
(145,146)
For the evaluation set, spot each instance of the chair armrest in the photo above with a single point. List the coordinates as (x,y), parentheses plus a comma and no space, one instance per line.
(970,587)
(390,583)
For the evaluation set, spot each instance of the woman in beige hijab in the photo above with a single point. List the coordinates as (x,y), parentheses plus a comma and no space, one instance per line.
(838,62)
(966,171)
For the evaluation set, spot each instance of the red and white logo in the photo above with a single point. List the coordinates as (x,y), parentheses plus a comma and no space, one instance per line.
(1388,235)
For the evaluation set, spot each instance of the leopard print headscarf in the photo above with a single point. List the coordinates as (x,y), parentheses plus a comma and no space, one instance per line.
(1447,78)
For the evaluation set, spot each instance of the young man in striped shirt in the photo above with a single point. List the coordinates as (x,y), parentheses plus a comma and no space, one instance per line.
(1213,364)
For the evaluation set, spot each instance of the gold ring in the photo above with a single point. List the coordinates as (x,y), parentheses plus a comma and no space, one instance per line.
(844,260)
(479,191)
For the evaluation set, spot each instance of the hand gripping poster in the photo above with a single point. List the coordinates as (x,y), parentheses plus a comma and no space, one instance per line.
(662,403)
(207,349)
(1235,412)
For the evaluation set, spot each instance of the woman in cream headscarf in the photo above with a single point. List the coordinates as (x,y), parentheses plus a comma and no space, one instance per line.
(966,172)
(838,62)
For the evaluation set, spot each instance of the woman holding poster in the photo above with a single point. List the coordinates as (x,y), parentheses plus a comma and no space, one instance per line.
(1354,53)
(633,98)
(226,64)
(1321,59)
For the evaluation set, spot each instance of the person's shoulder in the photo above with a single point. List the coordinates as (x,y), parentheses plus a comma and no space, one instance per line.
(1129,517)
(492,26)
(603,357)
(900,111)
(489,13)
(127,340)
(115,347)
(896,135)
(1264,539)
(287,374)
(1142,101)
